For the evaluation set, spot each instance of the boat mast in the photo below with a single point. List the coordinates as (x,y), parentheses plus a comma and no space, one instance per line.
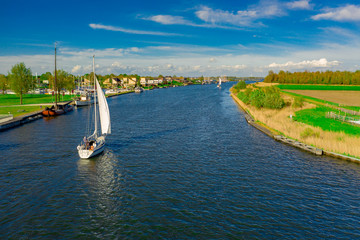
(55,82)
(95,132)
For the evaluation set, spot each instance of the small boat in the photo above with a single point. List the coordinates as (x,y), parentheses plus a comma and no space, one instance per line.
(85,99)
(138,90)
(94,144)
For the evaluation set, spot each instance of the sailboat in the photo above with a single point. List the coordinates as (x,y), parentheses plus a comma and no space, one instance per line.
(95,143)
(219,84)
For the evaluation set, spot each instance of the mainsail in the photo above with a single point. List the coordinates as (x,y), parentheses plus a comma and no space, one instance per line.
(103,110)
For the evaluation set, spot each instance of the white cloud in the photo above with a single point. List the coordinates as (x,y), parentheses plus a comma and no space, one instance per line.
(168,19)
(120,29)
(348,13)
(76,69)
(301,4)
(321,63)
(217,16)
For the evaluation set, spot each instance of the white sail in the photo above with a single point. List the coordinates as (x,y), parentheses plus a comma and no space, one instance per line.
(103,110)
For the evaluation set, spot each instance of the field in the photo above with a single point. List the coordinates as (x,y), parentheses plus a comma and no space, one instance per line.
(318,87)
(347,98)
(11,99)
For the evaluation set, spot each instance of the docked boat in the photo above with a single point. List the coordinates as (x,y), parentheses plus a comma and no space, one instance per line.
(94,144)
(85,99)
(138,90)
(56,109)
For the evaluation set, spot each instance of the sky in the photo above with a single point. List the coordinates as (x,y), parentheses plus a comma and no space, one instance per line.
(182,38)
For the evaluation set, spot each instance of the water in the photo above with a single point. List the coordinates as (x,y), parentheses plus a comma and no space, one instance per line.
(181,163)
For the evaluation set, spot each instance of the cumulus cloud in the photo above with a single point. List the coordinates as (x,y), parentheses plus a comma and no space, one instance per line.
(301,4)
(321,63)
(76,69)
(348,13)
(218,16)
(131,31)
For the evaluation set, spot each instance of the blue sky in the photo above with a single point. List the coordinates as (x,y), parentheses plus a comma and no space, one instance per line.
(183,38)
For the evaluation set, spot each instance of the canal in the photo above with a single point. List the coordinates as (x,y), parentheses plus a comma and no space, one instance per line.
(181,163)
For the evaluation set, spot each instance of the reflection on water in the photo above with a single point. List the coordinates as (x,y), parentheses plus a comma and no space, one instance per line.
(181,163)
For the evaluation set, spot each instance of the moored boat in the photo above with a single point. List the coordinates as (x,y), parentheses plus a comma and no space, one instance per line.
(85,99)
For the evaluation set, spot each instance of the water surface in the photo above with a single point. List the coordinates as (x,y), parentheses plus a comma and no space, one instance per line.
(181,163)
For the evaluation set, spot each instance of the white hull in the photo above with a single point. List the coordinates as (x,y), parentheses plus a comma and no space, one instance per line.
(86,153)
(84,103)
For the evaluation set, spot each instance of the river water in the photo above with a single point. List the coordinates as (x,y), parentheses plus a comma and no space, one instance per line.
(181,163)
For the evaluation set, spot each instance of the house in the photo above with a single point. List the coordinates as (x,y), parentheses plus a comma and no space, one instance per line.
(160,80)
(131,82)
(112,82)
(143,81)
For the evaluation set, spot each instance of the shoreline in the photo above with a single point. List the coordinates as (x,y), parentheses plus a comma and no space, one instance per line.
(272,133)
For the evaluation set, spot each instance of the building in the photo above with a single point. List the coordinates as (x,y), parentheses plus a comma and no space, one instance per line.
(112,82)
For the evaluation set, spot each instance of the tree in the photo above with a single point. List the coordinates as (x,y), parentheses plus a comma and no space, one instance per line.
(20,79)
(3,83)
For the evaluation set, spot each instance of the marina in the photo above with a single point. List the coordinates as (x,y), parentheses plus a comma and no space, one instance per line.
(171,171)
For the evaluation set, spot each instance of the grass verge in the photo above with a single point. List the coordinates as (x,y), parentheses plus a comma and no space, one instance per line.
(19,111)
(12,99)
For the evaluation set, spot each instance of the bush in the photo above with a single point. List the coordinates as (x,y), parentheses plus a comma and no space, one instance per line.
(257,98)
(240,85)
(273,101)
(298,102)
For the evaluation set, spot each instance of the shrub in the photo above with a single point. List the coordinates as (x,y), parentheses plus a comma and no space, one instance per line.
(257,98)
(240,85)
(298,102)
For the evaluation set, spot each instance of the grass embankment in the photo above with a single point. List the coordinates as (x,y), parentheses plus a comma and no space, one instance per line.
(309,125)
(12,99)
(21,110)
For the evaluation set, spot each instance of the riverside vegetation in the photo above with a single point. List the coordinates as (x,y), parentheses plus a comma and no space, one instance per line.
(297,118)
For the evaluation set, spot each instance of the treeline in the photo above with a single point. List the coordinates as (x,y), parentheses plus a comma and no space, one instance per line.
(328,77)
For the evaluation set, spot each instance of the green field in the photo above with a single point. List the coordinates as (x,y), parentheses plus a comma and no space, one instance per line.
(318,87)
(18,111)
(11,99)
(317,117)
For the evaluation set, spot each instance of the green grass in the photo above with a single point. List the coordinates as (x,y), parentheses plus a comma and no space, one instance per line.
(11,99)
(18,111)
(317,117)
(318,87)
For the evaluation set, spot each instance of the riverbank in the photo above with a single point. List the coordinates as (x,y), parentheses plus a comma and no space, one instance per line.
(280,123)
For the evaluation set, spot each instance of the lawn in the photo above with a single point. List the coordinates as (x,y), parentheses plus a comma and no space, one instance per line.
(18,111)
(12,99)
(317,117)
(318,87)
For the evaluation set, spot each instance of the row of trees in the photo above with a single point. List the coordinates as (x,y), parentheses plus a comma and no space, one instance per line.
(21,80)
(328,77)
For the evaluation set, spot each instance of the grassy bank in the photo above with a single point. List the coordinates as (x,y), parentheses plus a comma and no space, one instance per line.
(19,111)
(12,99)
(308,125)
